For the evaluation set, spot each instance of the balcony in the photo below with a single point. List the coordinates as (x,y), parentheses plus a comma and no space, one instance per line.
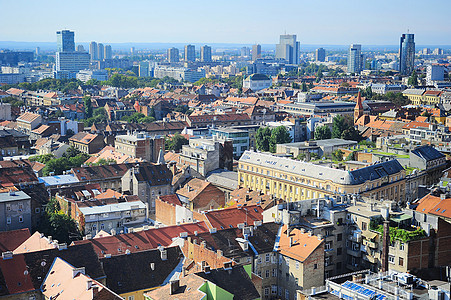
(370,244)
(352,267)
(356,239)
(355,253)
(370,258)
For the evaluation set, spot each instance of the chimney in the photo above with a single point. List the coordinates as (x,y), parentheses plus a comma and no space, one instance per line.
(385,244)
(175,285)
(291,241)
(247,198)
(77,271)
(95,291)
(89,284)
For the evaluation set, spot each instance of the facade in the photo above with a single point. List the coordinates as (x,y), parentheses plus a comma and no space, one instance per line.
(93,51)
(293,180)
(28,121)
(407,54)
(355,59)
(288,49)
(256,52)
(205,53)
(257,82)
(87,142)
(320,54)
(100,51)
(108,52)
(202,155)
(65,41)
(179,73)
(434,73)
(173,55)
(16,211)
(72,61)
(190,53)
(239,137)
(140,145)
(86,75)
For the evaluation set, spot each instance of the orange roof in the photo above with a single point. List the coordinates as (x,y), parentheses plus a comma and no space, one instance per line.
(431,204)
(303,244)
(415,124)
(108,194)
(34,243)
(421,119)
(28,117)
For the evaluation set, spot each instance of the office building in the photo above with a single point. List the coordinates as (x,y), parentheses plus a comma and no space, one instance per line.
(100,51)
(205,53)
(80,48)
(38,51)
(320,54)
(173,55)
(132,51)
(434,73)
(178,73)
(108,52)
(65,41)
(190,53)
(245,52)
(72,61)
(355,58)
(12,58)
(406,54)
(86,75)
(256,52)
(140,145)
(288,49)
(93,50)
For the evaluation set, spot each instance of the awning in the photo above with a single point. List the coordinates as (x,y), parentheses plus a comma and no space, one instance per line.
(369,234)
(400,218)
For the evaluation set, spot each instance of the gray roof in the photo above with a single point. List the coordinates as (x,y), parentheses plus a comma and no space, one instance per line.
(13,196)
(324,143)
(58,180)
(358,176)
(116,207)
(224,178)
(418,92)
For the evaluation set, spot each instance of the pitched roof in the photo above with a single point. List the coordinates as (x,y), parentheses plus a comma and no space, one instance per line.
(431,204)
(141,270)
(83,137)
(101,172)
(13,278)
(189,289)
(153,174)
(303,244)
(231,217)
(10,240)
(28,117)
(427,152)
(36,242)
(17,176)
(142,240)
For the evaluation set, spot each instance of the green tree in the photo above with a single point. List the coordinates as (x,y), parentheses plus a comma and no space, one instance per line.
(88,106)
(176,142)
(352,134)
(304,87)
(413,79)
(338,155)
(338,126)
(71,152)
(44,158)
(279,135)
(262,139)
(322,133)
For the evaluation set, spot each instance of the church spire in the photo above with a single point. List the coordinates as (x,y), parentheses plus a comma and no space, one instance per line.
(358,109)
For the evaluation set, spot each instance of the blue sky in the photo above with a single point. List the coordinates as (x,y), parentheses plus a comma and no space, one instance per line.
(376,22)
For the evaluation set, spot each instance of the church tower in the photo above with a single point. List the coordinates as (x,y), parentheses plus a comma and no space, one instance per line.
(358,109)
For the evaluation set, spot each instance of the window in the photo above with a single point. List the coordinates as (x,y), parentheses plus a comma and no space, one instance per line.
(274,272)
(259,260)
(327,261)
(401,261)
(8,207)
(297,265)
(287,294)
(20,206)
(338,265)
(328,246)
(38,210)
(339,251)
(267,274)
(102,226)
(21,219)
(267,257)
(273,289)
(131,298)
(391,259)
(339,237)
(266,291)
(401,246)
(315,266)
(8,220)
(364,226)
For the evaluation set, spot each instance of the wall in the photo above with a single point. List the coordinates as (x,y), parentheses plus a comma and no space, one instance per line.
(165,212)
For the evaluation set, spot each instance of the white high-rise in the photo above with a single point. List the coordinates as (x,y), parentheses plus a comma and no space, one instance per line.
(288,49)
(100,52)
(355,60)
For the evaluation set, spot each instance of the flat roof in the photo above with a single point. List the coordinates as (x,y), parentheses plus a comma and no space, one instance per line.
(58,180)
(116,207)
(14,196)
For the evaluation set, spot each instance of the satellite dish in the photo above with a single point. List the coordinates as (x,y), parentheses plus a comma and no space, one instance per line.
(25,272)
(43,263)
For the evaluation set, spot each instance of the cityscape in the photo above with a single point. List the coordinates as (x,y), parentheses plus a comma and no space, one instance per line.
(193,160)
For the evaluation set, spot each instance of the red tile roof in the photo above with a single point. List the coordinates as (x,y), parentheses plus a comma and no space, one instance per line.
(303,244)
(16,279)
(434,205)
(231,217)
(10,240)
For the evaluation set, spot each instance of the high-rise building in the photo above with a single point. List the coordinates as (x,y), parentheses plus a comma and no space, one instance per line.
(434,72)
(288,49)
(93,50)
(355,58)
(205,53)
(256,52)
(190,53)
(132,51)
(245,52)
(173,55)
(65,41)
(108,52)
(406,54)
(437,51)
(38,51)
(100,51)
(320,54)
(80,48)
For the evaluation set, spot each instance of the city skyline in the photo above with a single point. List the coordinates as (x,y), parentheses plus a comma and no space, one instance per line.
(428,23)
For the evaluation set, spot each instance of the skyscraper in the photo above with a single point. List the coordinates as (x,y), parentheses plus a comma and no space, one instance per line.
(245,51)
(190,53)
(320,54)
(355,58)
(100,52)
(93,50)
(80,48)
(406,54)
(256,52)
(65,41)
(173,55)
(288,49)
(205,53)
(108,52)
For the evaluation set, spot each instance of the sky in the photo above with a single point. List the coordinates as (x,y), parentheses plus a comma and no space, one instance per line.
(322,22)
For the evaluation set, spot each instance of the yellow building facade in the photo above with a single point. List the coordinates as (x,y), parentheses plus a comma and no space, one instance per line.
(293,180)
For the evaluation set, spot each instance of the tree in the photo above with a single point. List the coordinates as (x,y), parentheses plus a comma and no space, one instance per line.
(338,155)
(176,142)
(279,135)
(322,133)
(88,106)
(304,87)
(71,152)
(338,126)
(44,158)
(262,139)
(352,134)
(413,79)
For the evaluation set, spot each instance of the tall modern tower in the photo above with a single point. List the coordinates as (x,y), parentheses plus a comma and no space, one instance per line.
(288,49)
(190,53)
(355,58)
(108,52)
(173,55)
(320,54)
(100,51)
(205,53)
(407,54)
(93,50)
(256,52)
(65,41)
